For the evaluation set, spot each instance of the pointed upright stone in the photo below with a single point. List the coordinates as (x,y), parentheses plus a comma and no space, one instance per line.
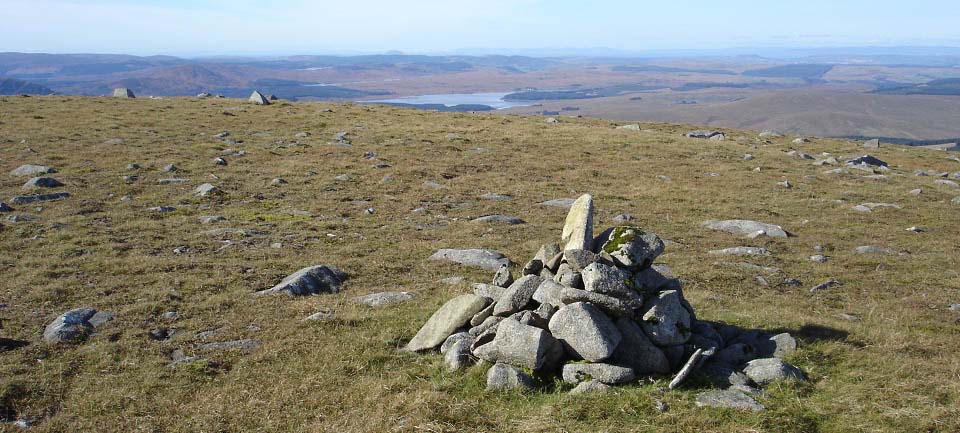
(257,98)
(578,227)
(123,92)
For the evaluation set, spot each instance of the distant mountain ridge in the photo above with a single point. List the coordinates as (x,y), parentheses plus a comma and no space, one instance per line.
(13,86)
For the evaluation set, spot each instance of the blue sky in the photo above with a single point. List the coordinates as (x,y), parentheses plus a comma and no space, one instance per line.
(202,27)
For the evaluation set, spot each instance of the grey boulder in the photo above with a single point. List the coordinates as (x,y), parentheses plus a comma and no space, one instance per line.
(311,280)
(665,320)
(746,228)
(503,377)
(72,326)
(32,170)
(479,258)
(585,331)
(632,248)
(522,346)
(517,296)
(603,373)
(382,299)
(637,351)
(607,280)
(451,316)
(505,219)
(42,182)
(767,370)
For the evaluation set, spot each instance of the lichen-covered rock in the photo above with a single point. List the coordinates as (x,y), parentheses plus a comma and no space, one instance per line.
(548,292)
(605,373)
(32,170)
(503,377)
(632,248)
(607,280)
(311,280)
(665,320)
(451,316)
(637,351)
(488,291)
(72,326)
(480,258)
(517,296)
(585,331)
(383,299)
(767,370)
(578,228)
(502,278)
(746,228)
(458,356)
(522,346)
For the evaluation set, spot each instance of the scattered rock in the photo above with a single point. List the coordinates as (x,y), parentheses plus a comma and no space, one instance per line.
(36,198)
(563,203)
(495,196)
(32,170)
(311,280)
(872,249)
(207,189)
(72,326)
(480,258)
(320,316)
(729,399)
(702,134)
(746,228)
(825,285)
(42,182)
(499,219)
(767,370)
(382,299)
(244,344)
(741,251)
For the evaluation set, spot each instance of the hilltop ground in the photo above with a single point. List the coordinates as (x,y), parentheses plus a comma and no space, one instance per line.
(895,368)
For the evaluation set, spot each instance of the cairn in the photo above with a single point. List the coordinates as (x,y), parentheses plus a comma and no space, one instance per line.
(599,312)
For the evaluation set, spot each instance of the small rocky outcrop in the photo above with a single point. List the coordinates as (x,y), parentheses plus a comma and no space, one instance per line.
(123,92)
(257,98)
(70,327)
(312,280)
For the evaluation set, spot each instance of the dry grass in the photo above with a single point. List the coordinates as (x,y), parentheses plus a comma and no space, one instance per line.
(895,370)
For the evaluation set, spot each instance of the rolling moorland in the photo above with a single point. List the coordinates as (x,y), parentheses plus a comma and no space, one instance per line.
(374,191)
(838,92)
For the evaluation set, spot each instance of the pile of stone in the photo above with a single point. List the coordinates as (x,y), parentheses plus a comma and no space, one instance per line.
(599,312)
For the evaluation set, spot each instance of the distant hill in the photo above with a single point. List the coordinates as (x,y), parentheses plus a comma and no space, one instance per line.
(945,86)
(800,70)
(13,86)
